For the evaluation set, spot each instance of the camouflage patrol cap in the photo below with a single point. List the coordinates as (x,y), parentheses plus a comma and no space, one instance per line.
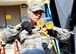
(35,6)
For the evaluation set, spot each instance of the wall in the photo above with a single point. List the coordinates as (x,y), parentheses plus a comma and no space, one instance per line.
(23,13)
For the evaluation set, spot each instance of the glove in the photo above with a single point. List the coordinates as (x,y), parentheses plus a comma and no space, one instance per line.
(60,30)
(28,26)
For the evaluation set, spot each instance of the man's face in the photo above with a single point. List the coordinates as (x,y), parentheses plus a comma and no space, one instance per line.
(35,16)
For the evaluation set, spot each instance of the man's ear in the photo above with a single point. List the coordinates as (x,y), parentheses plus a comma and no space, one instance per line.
(29,11)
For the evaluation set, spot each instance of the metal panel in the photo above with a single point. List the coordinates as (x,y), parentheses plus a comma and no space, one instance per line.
(2,17)
(75,37)
(14,12)
(64,8)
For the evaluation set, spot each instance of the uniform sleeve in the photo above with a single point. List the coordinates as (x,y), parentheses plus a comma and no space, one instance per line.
(7,35)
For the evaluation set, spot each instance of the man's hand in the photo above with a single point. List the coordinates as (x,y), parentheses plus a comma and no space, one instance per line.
(28,26)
